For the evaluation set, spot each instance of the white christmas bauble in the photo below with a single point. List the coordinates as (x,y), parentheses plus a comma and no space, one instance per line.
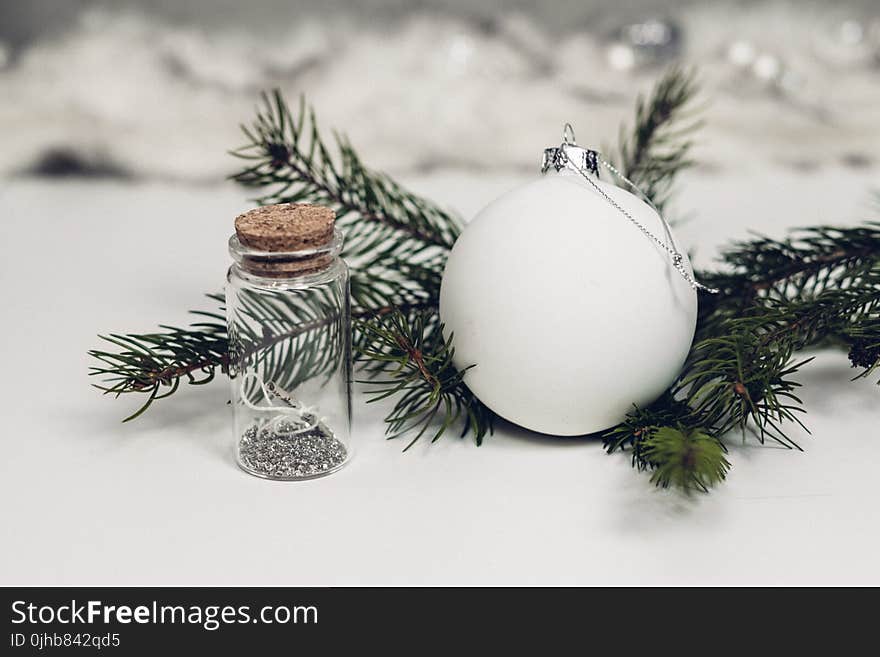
(567,311)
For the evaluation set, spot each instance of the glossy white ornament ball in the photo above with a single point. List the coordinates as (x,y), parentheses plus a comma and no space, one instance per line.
(568,312)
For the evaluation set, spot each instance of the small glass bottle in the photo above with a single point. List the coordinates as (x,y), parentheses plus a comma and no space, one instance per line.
(289,320)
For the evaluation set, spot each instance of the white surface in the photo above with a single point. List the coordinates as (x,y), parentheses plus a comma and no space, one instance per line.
(568,313)
(86,500)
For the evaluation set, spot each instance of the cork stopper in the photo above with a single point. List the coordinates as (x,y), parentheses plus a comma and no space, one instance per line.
(286,239)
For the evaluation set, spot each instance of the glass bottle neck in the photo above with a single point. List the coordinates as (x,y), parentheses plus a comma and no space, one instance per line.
(286,265)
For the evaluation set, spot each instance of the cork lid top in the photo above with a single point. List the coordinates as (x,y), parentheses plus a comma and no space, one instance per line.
(285,227)
(285,240)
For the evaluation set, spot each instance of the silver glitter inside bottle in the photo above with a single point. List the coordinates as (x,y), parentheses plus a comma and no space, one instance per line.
(289,321)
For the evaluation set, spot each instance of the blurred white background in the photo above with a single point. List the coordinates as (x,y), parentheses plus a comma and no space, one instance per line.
(156,88)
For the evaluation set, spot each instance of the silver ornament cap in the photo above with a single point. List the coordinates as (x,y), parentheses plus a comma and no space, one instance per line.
(568,155)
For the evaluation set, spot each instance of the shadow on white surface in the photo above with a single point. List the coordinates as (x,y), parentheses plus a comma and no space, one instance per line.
(505,430)
(828,386)
(198,415)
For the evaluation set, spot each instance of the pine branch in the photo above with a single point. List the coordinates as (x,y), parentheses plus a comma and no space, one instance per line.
(688,459)
(809,261)
(864,345)
(392,235)
(429,392)
(819,286)
(657,148)
(632,432)
(156,364)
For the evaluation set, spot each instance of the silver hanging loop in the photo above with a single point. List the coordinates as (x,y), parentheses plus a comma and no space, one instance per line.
(586,161)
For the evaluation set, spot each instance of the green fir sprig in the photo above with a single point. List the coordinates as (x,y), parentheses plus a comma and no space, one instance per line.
(818,287)
(688,459)
(416,361)
(657,148)
(155,364)
(396,242)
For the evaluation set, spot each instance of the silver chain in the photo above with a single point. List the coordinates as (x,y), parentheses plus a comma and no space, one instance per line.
(667,245)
